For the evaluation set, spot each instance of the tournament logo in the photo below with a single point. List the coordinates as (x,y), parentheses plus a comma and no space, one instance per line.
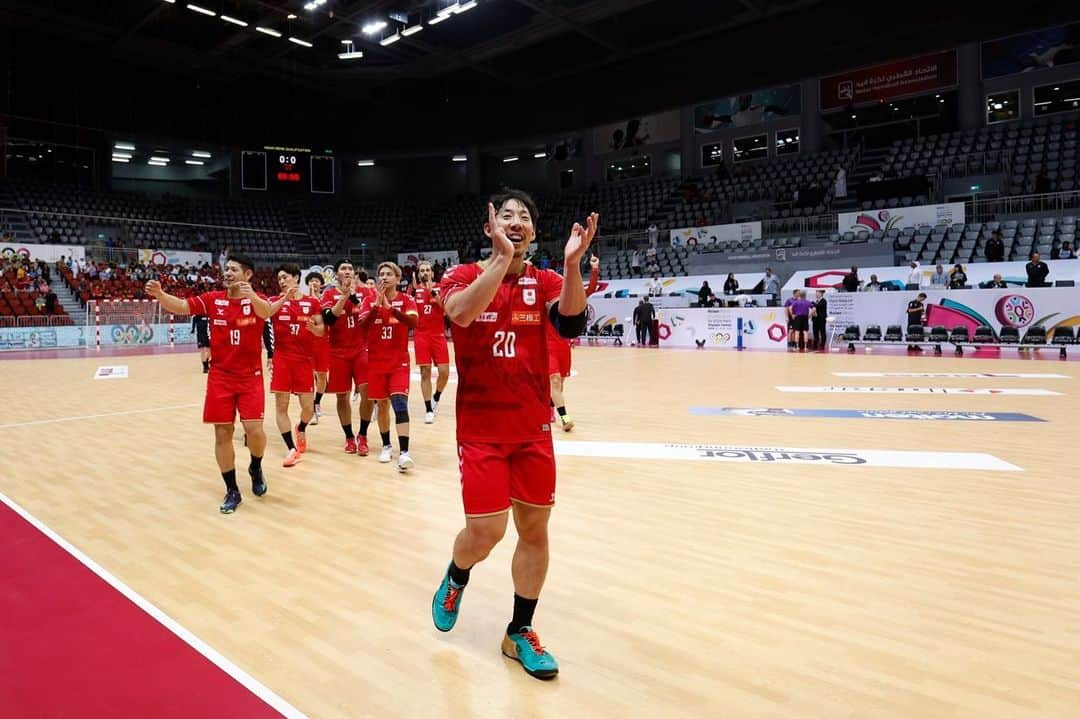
(1015,311)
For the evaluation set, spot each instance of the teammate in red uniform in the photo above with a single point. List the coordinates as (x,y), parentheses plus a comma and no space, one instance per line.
(429,340)
(389,322)
(297,320)
(235,384)
(499,310)
(321,352)
(559,354)
(344,309)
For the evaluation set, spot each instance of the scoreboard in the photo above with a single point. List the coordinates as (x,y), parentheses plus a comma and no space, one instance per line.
(287,170)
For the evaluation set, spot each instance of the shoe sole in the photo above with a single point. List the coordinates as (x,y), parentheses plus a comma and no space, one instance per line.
(407,466)
(535,673)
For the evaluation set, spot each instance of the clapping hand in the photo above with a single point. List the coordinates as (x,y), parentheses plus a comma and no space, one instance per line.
(580,239)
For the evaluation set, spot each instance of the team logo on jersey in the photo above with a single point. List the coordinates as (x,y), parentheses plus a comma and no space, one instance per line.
(220,312)
(488,317)
(247,309)
(529,296)
(284,318)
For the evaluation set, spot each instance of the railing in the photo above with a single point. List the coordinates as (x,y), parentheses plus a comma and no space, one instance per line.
(815,225)
(37,321)
(985,210)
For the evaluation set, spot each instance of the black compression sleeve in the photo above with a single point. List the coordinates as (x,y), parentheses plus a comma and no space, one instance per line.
(568,327)
(328,316)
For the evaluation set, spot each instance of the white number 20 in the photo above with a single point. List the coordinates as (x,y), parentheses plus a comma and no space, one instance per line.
(505,343)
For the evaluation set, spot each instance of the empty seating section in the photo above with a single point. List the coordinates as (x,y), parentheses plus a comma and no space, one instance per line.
(1036,337)
(672,262)
(966,242)
(1038,155)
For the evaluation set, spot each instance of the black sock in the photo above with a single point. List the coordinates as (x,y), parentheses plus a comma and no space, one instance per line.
(458,575)
(561,411)
(385,438)
(230,480)
(364,424)
(403,441)
(438,395)
(347,429)
(287,436)
(427,405)
(318,398)
(256,464)
(206,364)
(523,614)
(302,426)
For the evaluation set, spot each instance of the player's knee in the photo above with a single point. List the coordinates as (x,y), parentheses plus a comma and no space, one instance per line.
(400,404)
(486,536)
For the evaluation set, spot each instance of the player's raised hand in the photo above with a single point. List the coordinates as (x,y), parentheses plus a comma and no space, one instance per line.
(594,262)
(243,289)
(153,288)
(501,246)
(294,293)
(580,239)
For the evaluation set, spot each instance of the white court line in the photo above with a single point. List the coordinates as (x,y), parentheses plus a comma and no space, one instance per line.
(242,677)
(96,416)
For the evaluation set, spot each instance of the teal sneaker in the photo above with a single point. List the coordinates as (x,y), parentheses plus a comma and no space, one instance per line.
(526,648)
(446,604)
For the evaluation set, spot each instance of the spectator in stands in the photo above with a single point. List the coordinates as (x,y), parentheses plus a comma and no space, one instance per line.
(654,234)
(915,277)
(731,285)
(223,257)
(653,268)
(939,278)
(1067,252)
(771,285)
(997,283)
(915,310)
(957,277)
(50,301)
(1043,185)
(635,263)
(873,285)
(1055,250)
(995,248)
(840,189)
(850,283)
(706,298)
(656,288)
(1037,271)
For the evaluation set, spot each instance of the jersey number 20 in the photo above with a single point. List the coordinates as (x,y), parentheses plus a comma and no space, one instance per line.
(505,344)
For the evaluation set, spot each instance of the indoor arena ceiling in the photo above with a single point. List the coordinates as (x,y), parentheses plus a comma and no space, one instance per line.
(439,69)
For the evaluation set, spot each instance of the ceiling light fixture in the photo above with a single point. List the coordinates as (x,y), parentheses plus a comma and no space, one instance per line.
(365,163)
(201,153)
(412,29)
(511,158)
(201,10)
(124,146)
(465,6)
(459,158)
(268,31)
(390,39)
(234,21)
(438,19)
(373,27)
(298,41)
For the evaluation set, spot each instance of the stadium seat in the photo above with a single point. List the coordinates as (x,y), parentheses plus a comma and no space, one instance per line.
(1035,336)
(1010,336)
(873,333)
(893,333)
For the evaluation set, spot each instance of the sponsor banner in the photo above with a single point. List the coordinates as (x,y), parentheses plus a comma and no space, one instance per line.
(749,109)
(112,372)
(30,338)
(690,327)
(957,375)
(713,234)
(862,252)
(890,80)
(796,456)
(645,130)
(1014,274)
(48,253)
(446,257)
(897,218)
(1015,392)
(932,415)
(174,257)
(1020,309)
(1031,51)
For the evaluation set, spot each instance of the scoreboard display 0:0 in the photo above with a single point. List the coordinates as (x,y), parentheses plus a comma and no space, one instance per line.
(290,169)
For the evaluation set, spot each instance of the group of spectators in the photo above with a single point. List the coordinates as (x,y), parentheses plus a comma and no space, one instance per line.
(21,274)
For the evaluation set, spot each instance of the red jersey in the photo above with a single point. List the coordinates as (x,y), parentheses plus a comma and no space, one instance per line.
(388,338)
(348,336)
(235,333)
(503,392)
(291,335)
(431,315)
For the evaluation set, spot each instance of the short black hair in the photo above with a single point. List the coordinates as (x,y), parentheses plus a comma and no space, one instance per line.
(242,260)
(922,296)
(339,263)
(362,275)
(289,268)
(508,193)
(313,276)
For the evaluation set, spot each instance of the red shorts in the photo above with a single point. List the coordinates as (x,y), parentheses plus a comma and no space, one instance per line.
(347,371)
(321,356)
(383,382)
(495,474)
(430,349)
(293,374)
(227,394)
(559,359)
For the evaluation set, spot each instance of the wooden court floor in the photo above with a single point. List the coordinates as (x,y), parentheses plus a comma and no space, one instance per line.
(677,588)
